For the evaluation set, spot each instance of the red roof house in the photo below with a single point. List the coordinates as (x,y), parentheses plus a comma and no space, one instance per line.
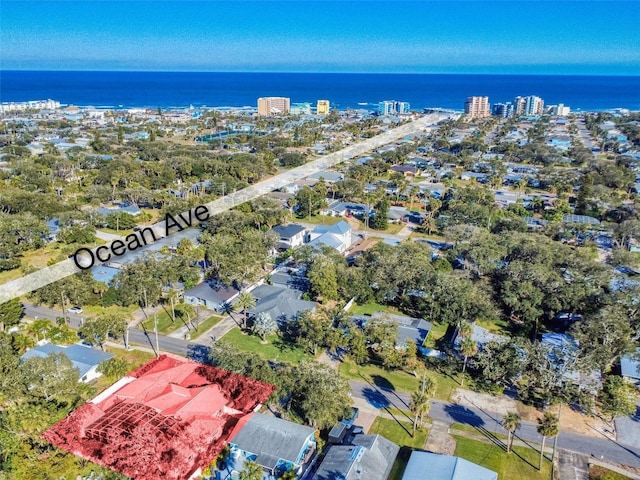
(167,419)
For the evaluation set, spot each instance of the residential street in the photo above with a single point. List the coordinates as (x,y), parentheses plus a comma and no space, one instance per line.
(449,413)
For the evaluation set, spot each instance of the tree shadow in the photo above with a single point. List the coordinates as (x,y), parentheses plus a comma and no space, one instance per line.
(463,415)
(199,353)
(382,382)
(376,398)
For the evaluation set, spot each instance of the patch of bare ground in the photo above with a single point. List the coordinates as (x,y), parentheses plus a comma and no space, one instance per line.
(570,419)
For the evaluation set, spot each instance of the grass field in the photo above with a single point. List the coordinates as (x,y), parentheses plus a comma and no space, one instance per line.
(600,473)
(321,219)
(522,464)
(277,349)
(165,321)
(134,358)
(371,308)
(396,379)
(204,326)
(401,435)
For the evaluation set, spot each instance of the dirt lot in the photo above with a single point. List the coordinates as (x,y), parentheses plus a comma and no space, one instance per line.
(570,420)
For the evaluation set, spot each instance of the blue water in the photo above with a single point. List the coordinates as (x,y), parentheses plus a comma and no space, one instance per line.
(180,89)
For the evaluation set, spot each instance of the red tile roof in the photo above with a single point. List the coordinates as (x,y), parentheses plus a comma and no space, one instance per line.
(167,419)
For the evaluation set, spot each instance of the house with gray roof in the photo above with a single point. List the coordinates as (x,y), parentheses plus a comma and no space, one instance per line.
(85,359)
(328,176)
(284,304)
(275,444)
(410,329)
(444,467)
(212,294)
(369,457)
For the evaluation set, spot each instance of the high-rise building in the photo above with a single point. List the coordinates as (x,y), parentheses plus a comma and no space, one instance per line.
(477,107)
(533,105)
(323,107)
(273,106)
(504,110)
(561,110)
(392,107)
(301,108)
(519,104)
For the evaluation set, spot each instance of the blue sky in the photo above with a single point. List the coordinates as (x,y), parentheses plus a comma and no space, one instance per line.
(575,37)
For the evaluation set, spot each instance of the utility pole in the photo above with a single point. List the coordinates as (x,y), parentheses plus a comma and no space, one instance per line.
(555,443)
(155,327)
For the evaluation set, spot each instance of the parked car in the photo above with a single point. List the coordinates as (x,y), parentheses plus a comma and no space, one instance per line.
(74,310)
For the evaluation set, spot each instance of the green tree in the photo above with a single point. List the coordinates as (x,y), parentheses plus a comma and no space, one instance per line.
(381,218)
(617,398)
(10,313)
(548,426)
(251,471)
(264,325)
(115,368)
(245,302)
(510,422)
(323,278)
(468,348)
(97,331)
(420,399)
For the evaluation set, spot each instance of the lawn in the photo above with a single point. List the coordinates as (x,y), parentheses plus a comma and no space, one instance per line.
(321,219)
(522,464)
(371,308)
(400,434)
(89,311)
(396,379)
(134,358)
(436,333)
(600,473)
(165,321)
(205,326)
(277,349)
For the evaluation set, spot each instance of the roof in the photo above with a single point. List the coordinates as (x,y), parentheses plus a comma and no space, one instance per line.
(340,228)
(444,467)
(288,231)
(409,328)
(213,291)
(167,419)
(580,219)
(283,304)
(327,175)
(368,457)
(272,439)
(82,358)
(630,366)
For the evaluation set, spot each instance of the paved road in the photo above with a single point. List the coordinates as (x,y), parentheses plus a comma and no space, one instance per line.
(449,413)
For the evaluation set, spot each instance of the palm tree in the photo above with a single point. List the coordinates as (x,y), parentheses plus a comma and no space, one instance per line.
(468,348)
(251,471)
(419,406)
(420,399)
(245,301)
(510,422)
(547,427)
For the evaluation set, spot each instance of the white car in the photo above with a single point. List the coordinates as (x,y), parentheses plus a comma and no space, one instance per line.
(74,310)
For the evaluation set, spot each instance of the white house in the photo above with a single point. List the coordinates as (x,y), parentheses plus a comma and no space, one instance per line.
(336,236)
(291,236)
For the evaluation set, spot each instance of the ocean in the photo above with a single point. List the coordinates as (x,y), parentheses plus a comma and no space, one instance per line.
(343,90)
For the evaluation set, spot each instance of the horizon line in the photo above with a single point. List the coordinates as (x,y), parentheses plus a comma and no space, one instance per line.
(261,72)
